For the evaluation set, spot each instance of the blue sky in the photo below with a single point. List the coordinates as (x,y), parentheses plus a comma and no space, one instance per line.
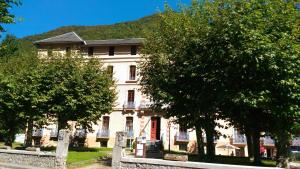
(38,16)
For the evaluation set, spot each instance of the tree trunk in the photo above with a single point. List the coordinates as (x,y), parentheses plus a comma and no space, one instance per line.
(210,145)
(10,137)
(249,145)
(28,142)
(256,148)
(200,142)
(283,149)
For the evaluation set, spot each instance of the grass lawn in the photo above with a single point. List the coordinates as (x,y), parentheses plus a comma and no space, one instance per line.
(78,157)
(14,145)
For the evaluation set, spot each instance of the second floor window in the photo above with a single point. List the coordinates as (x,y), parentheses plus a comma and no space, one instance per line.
(111,51)
(110,70)
(90,51)
(130,97)
(132,72)
(105,123)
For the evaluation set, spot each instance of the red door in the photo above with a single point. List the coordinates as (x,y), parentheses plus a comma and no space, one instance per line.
(153,128)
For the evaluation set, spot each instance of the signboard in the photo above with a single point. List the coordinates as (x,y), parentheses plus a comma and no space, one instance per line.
(140,150)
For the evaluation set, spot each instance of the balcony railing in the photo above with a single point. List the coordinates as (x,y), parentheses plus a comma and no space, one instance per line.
(182,136)
(268,141)
(129,106)
(296,141)
(37,133)
(239,139)
(80,133)
(104,133)
(130,134)
(53,133)
(145,105)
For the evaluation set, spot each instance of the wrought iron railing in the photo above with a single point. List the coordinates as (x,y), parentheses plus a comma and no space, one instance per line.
(296,141)
(81,133)
(103,133)
(268,141)
(53,133)
(239,139)
(182,136)
(129,105)
(37,133)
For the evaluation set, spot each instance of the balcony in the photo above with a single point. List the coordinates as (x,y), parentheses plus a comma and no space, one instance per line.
(129,106)
(145,105)
(181,137)
(37,133)
(80,133)
(53,134)
(239,139)
(102,135)
(268,141)
(130,134)
(296,141)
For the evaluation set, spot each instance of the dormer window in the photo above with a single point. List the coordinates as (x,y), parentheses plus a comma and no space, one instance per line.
(111,51)
(68,51)
(133,50)
(90,51)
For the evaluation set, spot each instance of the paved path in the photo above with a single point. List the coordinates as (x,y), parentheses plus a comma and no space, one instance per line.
(96,166)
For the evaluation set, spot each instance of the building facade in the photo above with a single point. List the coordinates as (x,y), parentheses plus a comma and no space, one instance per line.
(131,112)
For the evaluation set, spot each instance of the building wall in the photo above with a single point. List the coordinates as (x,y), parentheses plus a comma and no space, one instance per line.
(121,62)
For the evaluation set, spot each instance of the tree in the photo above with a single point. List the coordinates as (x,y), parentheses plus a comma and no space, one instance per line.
(179,73)
(6,17)
(238,60)
(11,117)
(77,90)
(9,47)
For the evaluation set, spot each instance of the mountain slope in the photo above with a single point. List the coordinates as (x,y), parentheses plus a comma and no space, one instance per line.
(133,29)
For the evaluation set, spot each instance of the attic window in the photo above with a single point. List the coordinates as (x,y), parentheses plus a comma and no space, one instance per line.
(111,51)
(90,51)
(133,50)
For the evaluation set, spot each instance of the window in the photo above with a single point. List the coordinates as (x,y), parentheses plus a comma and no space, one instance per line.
(111,51)
(90,51)
(129,124)
(105,123)
(133,50)
(130,97)
(110,70)
(132,72)
(68,51)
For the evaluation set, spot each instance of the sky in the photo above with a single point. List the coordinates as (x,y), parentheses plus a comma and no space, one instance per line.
(38,16)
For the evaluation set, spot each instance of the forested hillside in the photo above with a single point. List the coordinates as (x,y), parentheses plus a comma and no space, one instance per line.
(132,29)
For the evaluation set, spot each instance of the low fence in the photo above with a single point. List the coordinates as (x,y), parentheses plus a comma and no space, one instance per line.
(29,158)
(120,161)
(38,159)
(142,163)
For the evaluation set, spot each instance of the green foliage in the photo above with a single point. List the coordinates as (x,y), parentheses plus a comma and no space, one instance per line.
(6,17)
(77,90)
(133,29)
(238,58)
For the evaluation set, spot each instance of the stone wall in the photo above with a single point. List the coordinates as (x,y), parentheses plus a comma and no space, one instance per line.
(144,163)
(29,158)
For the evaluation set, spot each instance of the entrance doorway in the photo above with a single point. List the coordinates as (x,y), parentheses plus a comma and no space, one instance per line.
(155,128)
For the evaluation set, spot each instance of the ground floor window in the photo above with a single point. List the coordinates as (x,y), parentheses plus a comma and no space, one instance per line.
(103,143)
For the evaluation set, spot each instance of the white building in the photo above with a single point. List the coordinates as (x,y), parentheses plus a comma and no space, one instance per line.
(131,113)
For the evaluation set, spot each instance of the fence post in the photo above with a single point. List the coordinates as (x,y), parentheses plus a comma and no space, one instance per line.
(62,148)
(117,155)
